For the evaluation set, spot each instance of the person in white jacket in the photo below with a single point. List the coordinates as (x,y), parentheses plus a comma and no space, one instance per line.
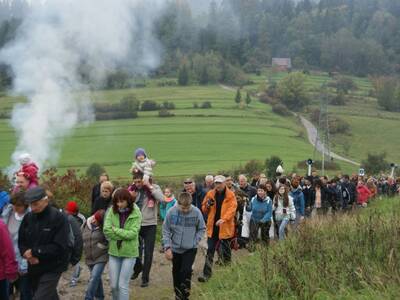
(284,209)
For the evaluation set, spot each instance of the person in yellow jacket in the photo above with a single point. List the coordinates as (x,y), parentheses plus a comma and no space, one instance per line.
(219,205)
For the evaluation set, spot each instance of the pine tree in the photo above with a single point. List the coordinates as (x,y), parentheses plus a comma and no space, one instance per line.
(183,75)
(238,97)
(248,99)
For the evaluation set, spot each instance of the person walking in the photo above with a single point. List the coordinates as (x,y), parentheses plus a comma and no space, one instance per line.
(95,247)
(43,242)
(8,263)
(147,198)
(220,206)
(183,229)
(121,228)
(12,216)
(284,210)
(261,214)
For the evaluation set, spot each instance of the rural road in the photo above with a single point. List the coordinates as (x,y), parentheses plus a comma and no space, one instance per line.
(311,133)
(312,136)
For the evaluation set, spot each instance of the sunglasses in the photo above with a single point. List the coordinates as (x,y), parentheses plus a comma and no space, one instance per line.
(188,182)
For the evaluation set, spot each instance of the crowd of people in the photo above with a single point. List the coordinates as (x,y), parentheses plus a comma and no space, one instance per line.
(39,242)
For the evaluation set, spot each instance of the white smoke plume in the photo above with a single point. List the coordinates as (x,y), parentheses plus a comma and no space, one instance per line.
(55,39)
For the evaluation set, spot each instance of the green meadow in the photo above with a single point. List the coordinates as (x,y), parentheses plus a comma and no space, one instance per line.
(195,141)
(198,141)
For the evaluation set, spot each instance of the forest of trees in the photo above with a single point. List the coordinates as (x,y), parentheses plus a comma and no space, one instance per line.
(229,37)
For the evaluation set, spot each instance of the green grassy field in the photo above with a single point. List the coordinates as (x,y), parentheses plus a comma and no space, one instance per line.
(194,141)
(223,137)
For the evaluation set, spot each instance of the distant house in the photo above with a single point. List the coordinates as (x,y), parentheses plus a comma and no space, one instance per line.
(282,64)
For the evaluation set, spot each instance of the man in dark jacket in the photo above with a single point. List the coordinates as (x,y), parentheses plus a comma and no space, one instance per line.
(250,191)
(43,241)
(195,190)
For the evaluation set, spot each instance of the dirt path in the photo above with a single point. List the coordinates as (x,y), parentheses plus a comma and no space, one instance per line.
(160,287)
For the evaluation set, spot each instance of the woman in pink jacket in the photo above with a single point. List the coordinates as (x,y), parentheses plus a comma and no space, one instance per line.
(8,263)
(363,193)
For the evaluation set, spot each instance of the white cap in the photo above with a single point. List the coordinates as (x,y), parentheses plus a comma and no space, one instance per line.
(219,179)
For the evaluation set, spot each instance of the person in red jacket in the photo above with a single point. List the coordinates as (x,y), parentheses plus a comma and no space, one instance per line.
(8,263)
(363,194)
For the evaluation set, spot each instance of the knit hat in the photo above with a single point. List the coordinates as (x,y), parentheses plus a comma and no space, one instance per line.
(98,216)
(72,207)
(140,151)
(4,199)
(24,158)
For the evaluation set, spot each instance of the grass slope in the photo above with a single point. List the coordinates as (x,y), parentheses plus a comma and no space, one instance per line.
(194,141)
(348,257)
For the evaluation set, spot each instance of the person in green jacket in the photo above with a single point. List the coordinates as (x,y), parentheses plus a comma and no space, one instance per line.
(121,228)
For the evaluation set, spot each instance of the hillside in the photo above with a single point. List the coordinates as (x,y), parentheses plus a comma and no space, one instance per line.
(347,257)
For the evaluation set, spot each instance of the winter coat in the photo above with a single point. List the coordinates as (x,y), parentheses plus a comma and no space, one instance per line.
(77,250)
(165,206)
(183,231)
(197,196)
(100,203)
(298,201)
(8,263)
(261,209)
(363,194)
(95,244)
(46,233)
(279,210)
(148,214)
(309,196)
(4,200)
(6,216)
(228,211)
(129,235)
(324,197)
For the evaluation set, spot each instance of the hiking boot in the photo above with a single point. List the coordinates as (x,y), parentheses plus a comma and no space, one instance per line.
(203,278)
(144,284)
(137,270)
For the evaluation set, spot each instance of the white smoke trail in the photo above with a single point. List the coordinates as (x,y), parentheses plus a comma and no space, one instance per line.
(55,39)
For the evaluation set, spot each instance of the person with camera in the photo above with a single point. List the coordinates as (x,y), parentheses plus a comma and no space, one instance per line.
(220,205)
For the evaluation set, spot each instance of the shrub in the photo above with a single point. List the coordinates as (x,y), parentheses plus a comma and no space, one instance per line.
(164,113)
(149,105)
(339,99)
(129,103)
(116,115)
(375,163)
(168,105)
(206,104)
(94,171)
(271,164)
(195,105)
(281,109)
(338,125)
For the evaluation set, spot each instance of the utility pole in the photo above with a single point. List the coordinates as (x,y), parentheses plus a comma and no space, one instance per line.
(322,142)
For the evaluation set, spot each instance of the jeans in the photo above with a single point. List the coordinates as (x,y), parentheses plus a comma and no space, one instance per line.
(254,227)
(24,287)
(95,285)
(182,273)
(45,286)
(4,289)
(224,251)
(147,239)
(282,226)
(121,270)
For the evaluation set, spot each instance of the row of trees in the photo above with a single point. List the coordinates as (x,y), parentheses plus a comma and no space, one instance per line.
(355,36)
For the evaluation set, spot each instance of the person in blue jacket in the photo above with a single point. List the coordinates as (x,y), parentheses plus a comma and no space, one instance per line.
(260,207)
(298,201)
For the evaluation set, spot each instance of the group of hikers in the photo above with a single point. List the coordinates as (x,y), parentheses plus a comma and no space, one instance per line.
(39,242)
